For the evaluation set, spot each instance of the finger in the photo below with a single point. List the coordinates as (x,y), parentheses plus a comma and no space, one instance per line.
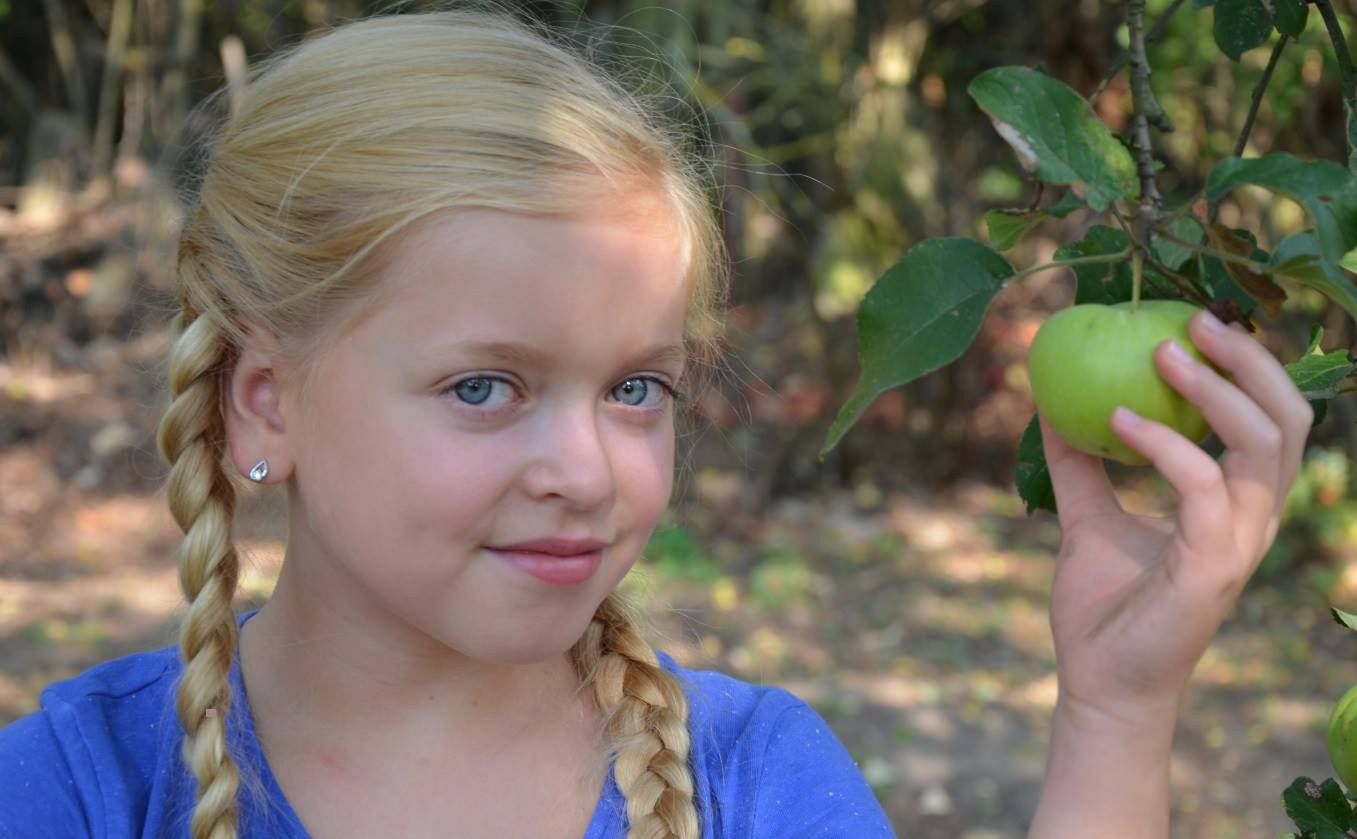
(1263,378)
(1080,480)
(1205,517)
(1253,442)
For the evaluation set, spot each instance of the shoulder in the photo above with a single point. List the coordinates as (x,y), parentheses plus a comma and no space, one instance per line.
(116,679)
(91,750)
(769,764)
(726,706)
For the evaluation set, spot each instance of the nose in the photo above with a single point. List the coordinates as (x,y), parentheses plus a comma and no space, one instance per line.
(572,461)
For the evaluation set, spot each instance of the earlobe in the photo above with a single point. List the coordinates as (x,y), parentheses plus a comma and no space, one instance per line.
(252,407)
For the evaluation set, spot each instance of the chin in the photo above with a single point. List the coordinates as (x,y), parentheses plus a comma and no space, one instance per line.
(529,647)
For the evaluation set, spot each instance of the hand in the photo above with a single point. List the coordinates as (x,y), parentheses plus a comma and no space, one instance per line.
(1136,599)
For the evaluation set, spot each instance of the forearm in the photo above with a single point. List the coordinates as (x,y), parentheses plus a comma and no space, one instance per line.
(1102,781)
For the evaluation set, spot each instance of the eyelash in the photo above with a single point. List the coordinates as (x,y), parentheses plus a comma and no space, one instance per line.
(669,390)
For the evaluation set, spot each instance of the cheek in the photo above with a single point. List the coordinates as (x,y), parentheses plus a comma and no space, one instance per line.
(647,479)
(374,462)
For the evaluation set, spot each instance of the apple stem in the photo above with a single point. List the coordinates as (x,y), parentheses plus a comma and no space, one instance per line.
(1137,269)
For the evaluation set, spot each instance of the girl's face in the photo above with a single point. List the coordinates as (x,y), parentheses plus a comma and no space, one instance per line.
(510,383)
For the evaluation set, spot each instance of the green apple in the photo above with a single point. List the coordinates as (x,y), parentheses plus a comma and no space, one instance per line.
(1343,738)
(1088,359)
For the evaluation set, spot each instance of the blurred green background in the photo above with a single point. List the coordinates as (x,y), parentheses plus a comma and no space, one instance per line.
(897,585)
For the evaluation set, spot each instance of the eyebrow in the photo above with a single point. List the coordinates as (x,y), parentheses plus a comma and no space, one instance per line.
(511,352)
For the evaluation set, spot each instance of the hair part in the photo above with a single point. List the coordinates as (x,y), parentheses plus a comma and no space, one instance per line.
(337,146)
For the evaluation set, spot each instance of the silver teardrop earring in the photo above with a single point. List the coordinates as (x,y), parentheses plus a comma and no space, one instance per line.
(260,471)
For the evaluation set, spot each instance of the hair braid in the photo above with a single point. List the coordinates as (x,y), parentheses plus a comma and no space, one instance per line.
(646,716)
(201,497)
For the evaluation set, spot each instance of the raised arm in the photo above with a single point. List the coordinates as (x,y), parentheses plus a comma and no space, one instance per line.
(1137,599)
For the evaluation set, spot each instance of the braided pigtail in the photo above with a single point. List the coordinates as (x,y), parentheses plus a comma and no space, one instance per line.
(201,497)
(646,715)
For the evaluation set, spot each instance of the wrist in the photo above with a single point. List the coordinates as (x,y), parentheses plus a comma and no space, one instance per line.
(1145,728)
(1106,769)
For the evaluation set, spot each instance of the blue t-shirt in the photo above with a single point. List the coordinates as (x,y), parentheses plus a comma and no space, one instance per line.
(101,759)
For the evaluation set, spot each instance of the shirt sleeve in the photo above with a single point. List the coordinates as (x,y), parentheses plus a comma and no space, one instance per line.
(39,796)
(809,785)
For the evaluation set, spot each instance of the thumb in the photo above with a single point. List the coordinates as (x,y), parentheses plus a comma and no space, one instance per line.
(1080,481)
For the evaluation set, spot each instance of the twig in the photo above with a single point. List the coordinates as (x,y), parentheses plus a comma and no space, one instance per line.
(1121,220)
(1183,283)
(1213,207)
(1345,69)
(1145,108)
(1340,48)
(1160,27)
(1258,95)
(1255,267)
(1093,259)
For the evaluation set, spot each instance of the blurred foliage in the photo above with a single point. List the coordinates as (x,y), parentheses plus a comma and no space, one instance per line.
(840,129)
(842,135)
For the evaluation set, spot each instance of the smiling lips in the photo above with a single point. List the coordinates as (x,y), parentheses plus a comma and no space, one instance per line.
(557,561)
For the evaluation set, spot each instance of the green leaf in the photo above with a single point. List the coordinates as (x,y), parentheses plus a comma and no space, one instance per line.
(1316,335)
(1320,406)
(1032,476)
(1007,227)
(1326,190)
(1316,375)
(1068,203)
(1320,809)
(1298,257)
(1241,25)
(920,315)
(1347,619)
(1291,16)
(1056,135)
(1174,255)
(1104,283)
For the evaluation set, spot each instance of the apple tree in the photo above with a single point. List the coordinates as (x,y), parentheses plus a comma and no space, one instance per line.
(1137,252)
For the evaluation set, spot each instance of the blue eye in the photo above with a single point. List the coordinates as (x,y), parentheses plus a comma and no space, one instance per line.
(644,392)
(475,391)
(633,392)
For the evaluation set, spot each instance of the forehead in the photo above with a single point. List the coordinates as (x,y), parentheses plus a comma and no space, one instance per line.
(609,281)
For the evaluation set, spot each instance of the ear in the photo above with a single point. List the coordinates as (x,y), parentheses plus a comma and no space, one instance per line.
(252,407)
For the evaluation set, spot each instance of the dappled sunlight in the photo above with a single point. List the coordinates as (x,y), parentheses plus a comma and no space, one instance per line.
(896,583)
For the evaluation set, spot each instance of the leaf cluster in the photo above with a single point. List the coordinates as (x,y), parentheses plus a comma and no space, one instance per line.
(926,310)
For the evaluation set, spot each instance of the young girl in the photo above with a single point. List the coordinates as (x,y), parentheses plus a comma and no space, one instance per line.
(443,283)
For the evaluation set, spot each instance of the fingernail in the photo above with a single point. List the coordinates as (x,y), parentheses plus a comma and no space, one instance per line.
(1125,417)
(1178,354)
(1212,323)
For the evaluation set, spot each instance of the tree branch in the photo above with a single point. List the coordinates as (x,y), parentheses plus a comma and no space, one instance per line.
(1345,69)
(1213,207)
(1258,95)
(119,29)
(1146,110)
(1160,27)
(1340,48)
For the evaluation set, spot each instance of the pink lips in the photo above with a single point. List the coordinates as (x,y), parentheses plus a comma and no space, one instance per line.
(562,562)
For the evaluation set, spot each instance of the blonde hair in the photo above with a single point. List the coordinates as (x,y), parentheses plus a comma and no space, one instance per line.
(337,146)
